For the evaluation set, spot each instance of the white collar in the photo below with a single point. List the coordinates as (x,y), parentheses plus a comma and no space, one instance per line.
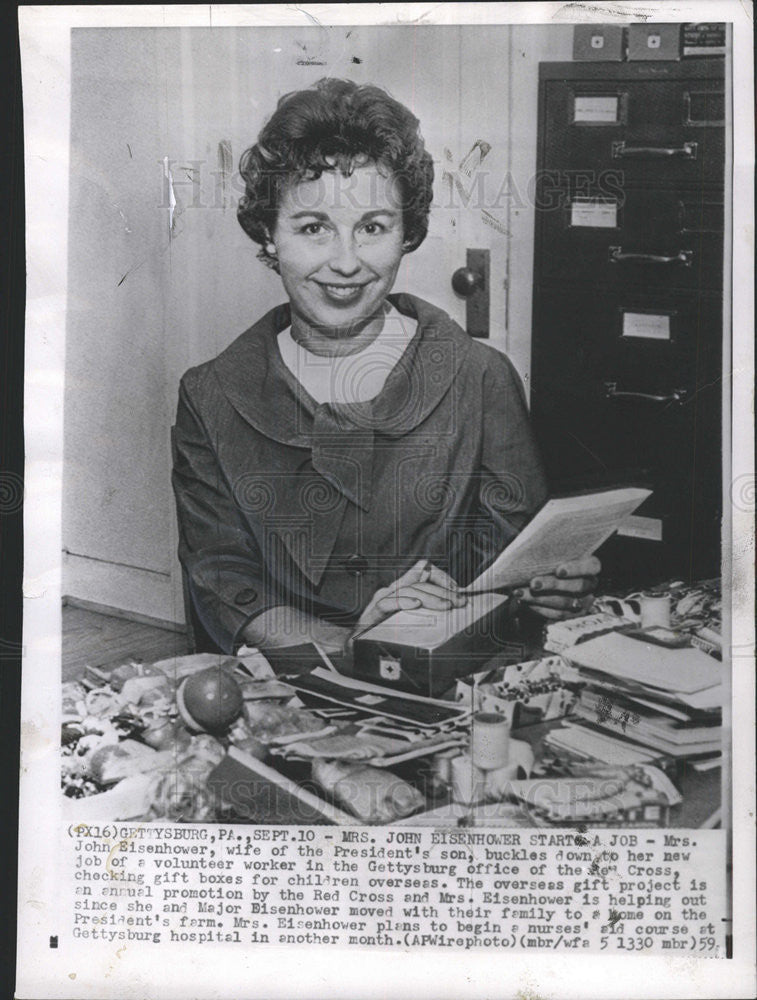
(351,378)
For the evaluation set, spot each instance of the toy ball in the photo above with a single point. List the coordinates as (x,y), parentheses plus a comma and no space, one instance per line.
(209,701)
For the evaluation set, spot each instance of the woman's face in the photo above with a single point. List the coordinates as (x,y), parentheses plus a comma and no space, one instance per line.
(339,245)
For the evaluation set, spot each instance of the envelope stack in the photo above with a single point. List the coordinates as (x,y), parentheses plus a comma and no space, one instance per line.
(643,702)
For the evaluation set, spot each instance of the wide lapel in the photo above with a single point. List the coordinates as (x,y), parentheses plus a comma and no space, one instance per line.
(311,493)
(424,374)
(343,454)
(310,481)
(257,383)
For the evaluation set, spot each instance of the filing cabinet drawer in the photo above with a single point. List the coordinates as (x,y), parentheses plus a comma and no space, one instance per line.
(633,237)
(609,408)
(652,131)
(627,383)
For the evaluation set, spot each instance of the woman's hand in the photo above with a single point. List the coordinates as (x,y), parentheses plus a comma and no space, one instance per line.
(568,592)
(422,586)
(282,626)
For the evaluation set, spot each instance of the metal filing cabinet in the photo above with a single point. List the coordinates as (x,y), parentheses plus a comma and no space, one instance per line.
(628,291)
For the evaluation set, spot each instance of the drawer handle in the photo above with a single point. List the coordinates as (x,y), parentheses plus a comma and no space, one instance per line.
(618,254)
(688,151)
(676,396)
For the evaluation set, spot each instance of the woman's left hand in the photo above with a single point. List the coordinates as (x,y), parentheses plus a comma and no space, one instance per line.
(566,593)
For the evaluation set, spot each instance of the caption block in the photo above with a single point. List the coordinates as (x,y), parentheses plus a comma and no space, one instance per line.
(647,891)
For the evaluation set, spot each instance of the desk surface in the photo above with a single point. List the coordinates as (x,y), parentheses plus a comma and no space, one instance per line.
(701,790)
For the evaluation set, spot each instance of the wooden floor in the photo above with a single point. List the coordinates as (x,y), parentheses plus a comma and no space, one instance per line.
(90,637)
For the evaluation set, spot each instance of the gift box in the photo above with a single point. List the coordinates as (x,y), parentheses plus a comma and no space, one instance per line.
(654,41)
(601,42)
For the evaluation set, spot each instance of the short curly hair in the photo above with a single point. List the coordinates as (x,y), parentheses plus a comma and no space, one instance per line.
(335,124)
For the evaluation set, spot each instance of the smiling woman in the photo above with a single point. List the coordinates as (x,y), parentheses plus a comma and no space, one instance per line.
(336,125)
(354,452)
(338,260)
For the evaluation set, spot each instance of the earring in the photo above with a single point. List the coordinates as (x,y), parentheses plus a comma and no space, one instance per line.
(270,249)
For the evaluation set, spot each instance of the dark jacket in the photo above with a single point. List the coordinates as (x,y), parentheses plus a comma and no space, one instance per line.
(285,501)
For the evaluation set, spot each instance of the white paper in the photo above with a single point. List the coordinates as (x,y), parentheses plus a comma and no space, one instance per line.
(562,531)
(639,526)
(646,325)
(594,214)
(686,670)
(595,108)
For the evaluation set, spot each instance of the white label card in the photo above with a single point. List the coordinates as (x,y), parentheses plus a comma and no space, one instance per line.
(648,528)
(590,108)
(594,214)
(647,325)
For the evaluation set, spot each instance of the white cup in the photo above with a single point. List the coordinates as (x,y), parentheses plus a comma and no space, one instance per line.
(490,741)
(471,784)
(442,765)
(655,610)
(468,781)
(518,767)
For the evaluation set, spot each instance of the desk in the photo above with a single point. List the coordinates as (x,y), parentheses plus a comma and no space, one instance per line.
(701,790)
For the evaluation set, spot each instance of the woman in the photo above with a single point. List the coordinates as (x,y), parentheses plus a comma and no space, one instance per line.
(353,452)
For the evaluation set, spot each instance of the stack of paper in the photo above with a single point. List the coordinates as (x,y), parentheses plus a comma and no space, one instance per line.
(378,702)
(665,700)
(377,724)
(645,664)
(683,737)
(587,744)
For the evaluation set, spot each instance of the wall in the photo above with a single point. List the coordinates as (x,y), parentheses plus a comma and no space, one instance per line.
(148,299)
(530,45)
(115,519)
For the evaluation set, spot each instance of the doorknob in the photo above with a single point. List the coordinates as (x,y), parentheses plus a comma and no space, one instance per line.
(465,281)
(472,283)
